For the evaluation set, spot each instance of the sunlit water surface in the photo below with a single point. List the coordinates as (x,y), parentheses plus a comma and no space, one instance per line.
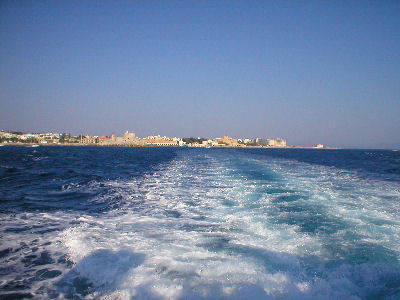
(169,223)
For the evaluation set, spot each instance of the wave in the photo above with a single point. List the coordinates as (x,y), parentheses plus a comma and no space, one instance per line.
(211,224)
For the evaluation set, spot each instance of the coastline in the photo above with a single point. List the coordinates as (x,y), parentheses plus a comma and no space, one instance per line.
(156,146)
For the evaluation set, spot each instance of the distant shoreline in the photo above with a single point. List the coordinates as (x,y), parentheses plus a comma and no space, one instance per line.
(155,146)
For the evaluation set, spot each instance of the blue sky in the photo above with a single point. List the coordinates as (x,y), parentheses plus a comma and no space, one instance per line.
(308,71)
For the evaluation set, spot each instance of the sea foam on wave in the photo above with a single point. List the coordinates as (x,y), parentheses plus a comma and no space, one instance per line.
(212,234)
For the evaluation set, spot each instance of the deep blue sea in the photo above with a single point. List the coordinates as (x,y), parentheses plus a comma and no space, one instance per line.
(181,223)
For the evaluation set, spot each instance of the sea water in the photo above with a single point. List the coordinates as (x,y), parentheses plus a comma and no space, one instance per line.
(173,223)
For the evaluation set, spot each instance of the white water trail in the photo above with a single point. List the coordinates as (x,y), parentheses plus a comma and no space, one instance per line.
(206,233)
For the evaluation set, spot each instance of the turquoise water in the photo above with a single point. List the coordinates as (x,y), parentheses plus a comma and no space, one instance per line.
(171,223)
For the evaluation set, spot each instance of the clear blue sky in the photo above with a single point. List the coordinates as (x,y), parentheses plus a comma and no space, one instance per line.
(308,71)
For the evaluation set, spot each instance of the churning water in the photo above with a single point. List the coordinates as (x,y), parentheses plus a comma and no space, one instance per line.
(169,223)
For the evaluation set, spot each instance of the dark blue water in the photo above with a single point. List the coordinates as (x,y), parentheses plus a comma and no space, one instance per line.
(134,223)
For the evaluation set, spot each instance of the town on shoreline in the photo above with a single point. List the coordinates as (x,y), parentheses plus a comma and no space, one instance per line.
(129,139)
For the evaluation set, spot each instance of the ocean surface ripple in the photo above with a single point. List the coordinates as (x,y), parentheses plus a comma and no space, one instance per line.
(181,223)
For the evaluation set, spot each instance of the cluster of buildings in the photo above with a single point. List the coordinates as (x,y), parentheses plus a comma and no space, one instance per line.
(278,142)
(30,138)
(130,139)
